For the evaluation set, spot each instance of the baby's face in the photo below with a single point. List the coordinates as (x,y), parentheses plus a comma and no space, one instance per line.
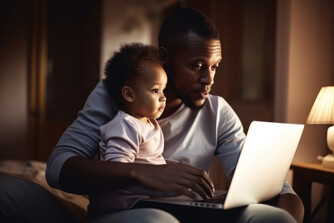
(149,99)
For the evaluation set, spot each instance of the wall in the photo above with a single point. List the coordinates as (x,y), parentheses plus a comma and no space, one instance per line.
(311,67)
(305,55)
(14,25)
(131,21)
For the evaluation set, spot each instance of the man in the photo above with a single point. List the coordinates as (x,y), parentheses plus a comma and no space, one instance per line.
(196,127)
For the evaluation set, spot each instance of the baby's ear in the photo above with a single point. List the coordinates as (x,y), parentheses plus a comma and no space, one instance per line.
(128,94)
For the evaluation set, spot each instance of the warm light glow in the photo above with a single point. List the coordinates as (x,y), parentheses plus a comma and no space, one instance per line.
(322,111)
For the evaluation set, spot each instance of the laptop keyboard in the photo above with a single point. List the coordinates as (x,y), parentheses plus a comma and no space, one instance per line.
(217,199)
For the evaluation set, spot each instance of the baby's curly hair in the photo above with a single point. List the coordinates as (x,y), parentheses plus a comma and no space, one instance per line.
(125,65)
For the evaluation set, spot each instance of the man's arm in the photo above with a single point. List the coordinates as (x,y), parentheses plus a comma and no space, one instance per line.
(82,137)
(84,176)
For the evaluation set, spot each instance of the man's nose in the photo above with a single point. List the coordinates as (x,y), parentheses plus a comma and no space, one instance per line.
(207,77)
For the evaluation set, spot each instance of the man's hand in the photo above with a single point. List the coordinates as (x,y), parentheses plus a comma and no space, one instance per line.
(175,177)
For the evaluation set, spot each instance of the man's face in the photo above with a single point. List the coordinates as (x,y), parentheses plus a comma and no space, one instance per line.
(194,69)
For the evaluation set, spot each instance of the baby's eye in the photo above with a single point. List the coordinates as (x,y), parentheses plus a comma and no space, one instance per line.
(155,91)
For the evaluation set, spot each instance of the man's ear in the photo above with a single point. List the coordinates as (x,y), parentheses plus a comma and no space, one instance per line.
(128,94)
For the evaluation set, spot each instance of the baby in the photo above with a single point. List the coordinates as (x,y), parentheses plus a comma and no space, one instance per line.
(136,80)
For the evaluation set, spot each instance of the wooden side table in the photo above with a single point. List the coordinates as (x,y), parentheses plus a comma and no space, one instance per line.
(304,174)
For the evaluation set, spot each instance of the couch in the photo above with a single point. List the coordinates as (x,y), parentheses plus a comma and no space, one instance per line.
(16,175)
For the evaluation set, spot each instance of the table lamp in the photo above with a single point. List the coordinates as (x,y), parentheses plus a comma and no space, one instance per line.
(322,112)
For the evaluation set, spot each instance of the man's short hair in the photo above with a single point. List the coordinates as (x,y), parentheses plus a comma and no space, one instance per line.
(180,23)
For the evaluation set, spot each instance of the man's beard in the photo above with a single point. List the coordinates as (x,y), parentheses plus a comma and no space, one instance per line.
(189,103)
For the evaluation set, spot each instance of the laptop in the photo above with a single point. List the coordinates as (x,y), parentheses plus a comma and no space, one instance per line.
(261,170)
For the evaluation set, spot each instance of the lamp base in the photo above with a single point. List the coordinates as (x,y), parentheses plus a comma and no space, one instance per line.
(330,138)
(328,161)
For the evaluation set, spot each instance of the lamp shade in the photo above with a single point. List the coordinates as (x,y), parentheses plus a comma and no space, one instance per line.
(322,111)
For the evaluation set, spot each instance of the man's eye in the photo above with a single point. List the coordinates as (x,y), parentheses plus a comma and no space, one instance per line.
(215,67)
(198,67)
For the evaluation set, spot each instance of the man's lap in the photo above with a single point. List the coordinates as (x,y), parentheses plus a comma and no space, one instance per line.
(145,215)
(262,213)
(252,213)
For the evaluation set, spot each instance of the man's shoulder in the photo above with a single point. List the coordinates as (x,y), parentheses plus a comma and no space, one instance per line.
(99,95)
(99,105)
(218,106)
(216,101)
